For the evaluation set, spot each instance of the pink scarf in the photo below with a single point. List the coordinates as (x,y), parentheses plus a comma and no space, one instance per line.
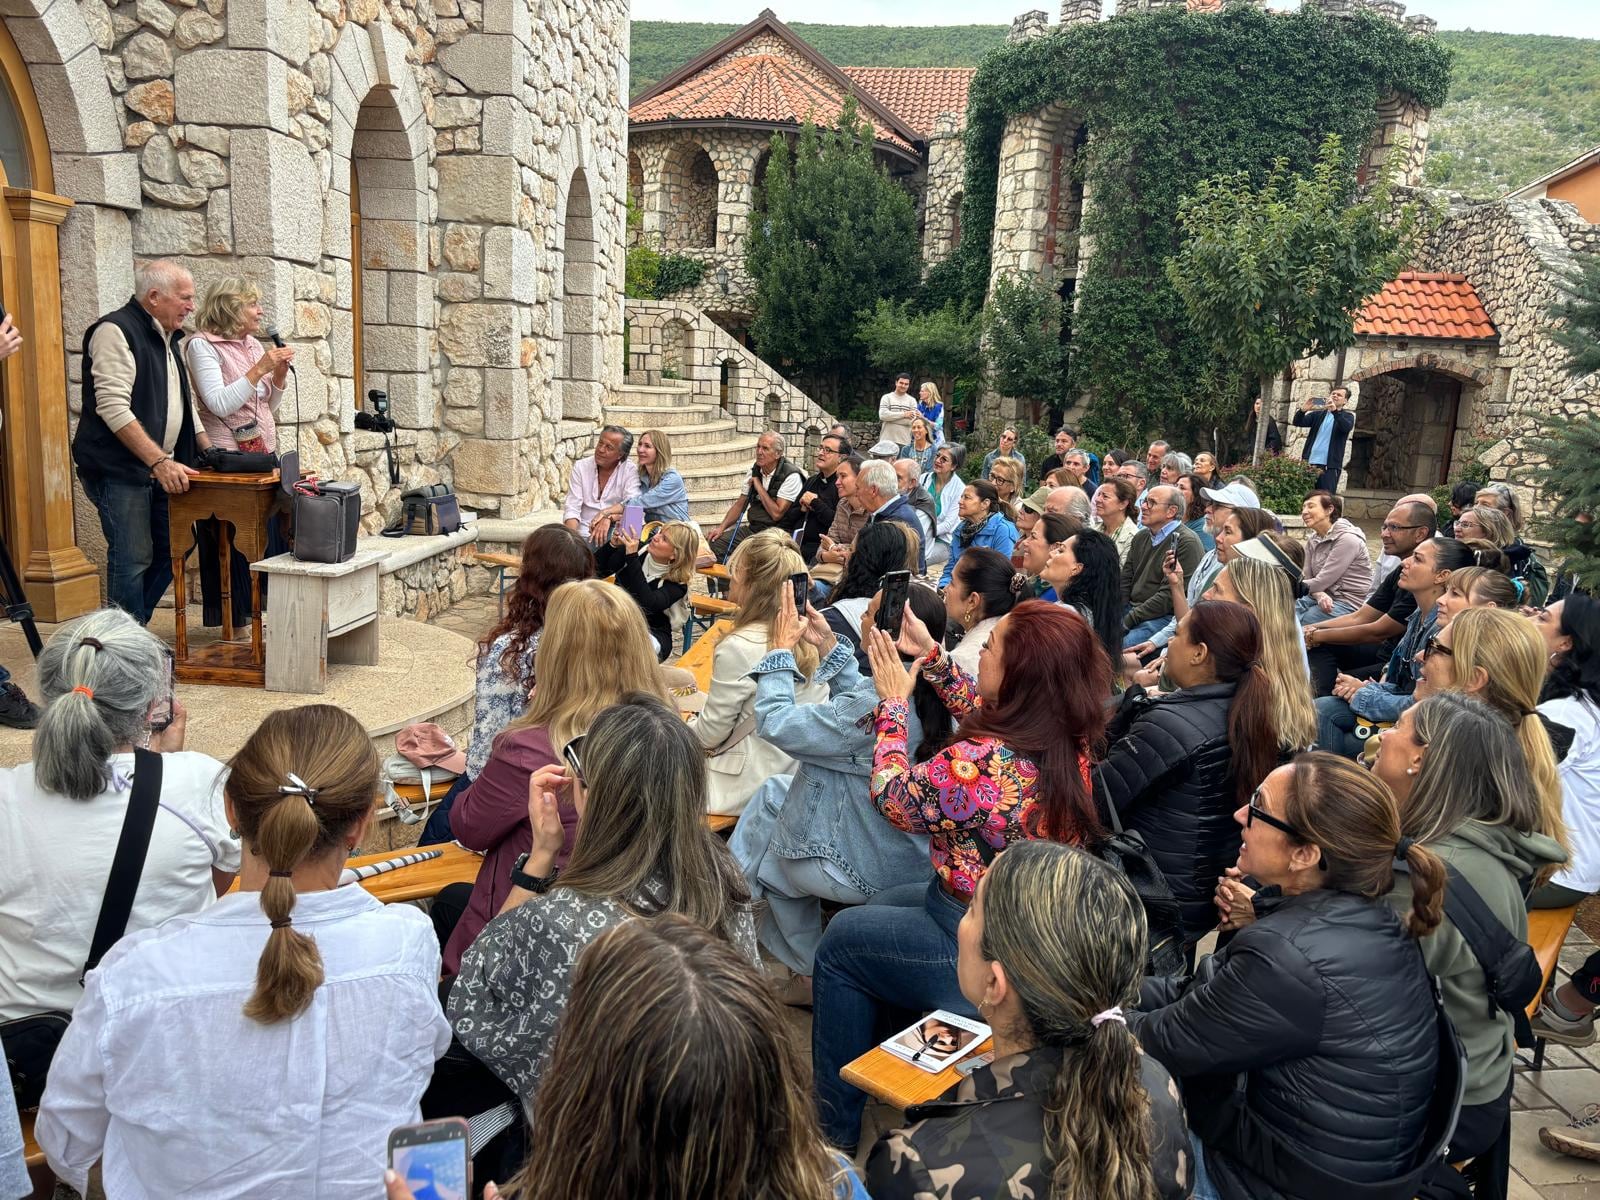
(237,356)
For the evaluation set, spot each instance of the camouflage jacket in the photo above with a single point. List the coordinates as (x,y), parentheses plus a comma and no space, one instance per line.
(985,1138)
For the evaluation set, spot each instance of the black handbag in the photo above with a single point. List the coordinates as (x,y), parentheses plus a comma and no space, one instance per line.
(327,521)
(431,508)
(1125,851)
(238,462)
(31,1042)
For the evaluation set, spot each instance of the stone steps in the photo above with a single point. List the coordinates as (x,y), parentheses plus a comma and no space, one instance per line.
(650,416)
(645,395)
(693,437)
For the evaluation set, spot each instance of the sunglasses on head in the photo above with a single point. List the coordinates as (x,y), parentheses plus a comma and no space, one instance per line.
(1254,812)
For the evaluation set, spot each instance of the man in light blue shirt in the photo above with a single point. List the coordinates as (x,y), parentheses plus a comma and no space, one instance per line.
(1330,427)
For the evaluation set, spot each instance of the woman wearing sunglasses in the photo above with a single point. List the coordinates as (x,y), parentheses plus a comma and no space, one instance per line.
(1315,1027)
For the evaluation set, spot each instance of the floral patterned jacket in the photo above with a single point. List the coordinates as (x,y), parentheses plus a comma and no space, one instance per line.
(977,788)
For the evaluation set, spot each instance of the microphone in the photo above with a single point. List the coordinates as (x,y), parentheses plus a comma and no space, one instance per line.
(272,334)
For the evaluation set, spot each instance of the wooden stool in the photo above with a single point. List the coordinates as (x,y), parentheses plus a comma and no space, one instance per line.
(501,562)
(889,1078)
(321,613)
(1547,931)
(703,612)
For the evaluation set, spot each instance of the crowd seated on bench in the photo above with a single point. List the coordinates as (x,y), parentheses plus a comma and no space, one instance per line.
(927,810)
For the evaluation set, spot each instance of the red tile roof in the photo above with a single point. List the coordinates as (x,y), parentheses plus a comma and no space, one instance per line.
(917,95)
(764,88)
(1423,305)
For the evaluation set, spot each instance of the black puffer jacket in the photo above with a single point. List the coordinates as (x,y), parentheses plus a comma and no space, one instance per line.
(1326,1011)
(1170,774)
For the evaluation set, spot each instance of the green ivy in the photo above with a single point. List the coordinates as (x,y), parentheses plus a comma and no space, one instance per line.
(677,273)
(1171,98)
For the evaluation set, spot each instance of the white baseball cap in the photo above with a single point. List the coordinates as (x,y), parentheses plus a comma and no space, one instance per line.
(1235,495)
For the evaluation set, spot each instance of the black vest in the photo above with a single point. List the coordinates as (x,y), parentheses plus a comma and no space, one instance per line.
(756,517)
(95,449)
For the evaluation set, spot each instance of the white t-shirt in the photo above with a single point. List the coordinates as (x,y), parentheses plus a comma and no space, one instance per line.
(790,488)
(55,859)
(1580,791)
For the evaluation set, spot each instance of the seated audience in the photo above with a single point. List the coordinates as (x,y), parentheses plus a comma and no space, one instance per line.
(1462,496)
(1051,951)
(1198,521)
(820,494)
(849,519)
(1232,527)
(1459,778)
(300,1017)
(1177,766)
(1477,587)
(1338,571)
(1072,502)
(716,1102)
(986,521)
(1362,641)
(984,588)
(662,493)
(1206,469)
(1144,586)
(945,485)
(1491,524)
(1316,1028)
(1380,701)
(594,650)
(600,483)
(656,577)
(916,496)
(105,682)
(1015,769)
(1049,531)
(738,760)
(919,451)
(1116,509)
(551,555)
(1174,466)
(1525,564)
(1084,574)
(879,549)
(1007,476)
(878,493)
(642,847)
(1062,444)
(769,500)
(811,839)
(1006,449)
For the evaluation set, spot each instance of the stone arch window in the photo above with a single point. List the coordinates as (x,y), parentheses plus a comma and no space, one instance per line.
(772,411)
(677,349)
(955,222)
(578,317)
(635,198)
(727,382)
(692,189)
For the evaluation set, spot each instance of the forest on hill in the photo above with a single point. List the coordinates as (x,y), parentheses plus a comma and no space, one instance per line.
(1520,105)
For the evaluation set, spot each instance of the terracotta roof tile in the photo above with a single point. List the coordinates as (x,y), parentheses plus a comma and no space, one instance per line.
(917,95)
(765,88)
(1424,305)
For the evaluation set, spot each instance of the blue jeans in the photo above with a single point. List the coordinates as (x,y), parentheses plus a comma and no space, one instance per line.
(133,517)
(1336,723)
(879,967)
(1204,1189)
(1310,612)
(1145,630)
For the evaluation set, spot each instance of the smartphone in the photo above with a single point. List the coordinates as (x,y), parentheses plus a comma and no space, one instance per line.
(632,520)
(161,715)
(801,583)
(433,1157)
(896,589)
(1319,402)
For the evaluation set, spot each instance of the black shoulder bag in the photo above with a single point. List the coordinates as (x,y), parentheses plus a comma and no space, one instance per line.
(30,1042)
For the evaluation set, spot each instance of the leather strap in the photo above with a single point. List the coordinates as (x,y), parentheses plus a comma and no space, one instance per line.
(128,864)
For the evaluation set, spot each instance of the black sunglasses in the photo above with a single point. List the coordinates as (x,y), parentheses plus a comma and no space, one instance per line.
(571,753)
(1434,646)
(1254,812)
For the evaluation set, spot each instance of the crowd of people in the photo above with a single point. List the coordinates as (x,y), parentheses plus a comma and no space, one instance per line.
(1116,716)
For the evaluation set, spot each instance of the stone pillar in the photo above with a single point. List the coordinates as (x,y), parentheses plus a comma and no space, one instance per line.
(1393,10)
(1419,25)
(1029,25)
(1080,12)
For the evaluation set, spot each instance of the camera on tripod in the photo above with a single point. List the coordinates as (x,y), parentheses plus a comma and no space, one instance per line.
(378,420)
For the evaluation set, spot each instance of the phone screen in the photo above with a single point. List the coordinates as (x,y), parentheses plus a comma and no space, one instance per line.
(161,715)
(896,587)
(432,1158)
(632,520)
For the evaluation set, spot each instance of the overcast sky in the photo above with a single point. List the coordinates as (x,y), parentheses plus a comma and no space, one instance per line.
(1576,18)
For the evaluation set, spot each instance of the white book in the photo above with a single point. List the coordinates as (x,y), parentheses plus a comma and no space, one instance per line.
(936,1041)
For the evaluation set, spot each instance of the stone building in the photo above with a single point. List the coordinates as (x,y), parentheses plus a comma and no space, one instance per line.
(698,144)
(430,194)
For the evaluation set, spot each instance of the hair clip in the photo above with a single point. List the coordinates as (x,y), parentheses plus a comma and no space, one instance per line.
(1521,587)
(95,642)
(87,691)
(1019,581)
(298,787)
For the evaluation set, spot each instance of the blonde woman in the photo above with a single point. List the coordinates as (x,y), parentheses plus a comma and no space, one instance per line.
(1006,475)
(1264,588)
(662,493)
(239,384)
(657,577)
(737,760)
(931,405)
(594,649)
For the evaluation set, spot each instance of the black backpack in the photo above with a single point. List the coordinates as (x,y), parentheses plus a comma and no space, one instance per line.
(1510,968)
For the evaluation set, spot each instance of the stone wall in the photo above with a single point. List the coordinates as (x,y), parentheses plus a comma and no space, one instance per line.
(484,141)
(941,196)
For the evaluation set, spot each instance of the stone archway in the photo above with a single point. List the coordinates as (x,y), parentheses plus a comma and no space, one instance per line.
(1407,423)
(577,318)
(692,188)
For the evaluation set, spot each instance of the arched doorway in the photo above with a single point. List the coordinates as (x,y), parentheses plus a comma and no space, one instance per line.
(577,317)
(1405,432)
(35,461)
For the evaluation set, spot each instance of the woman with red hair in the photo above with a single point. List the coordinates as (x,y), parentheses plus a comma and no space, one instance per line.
(1017,767)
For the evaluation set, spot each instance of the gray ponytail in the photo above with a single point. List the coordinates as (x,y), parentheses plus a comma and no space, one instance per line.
(79,731)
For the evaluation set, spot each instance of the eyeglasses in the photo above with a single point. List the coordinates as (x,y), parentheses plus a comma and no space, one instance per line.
(1254,812)
(1434,646)
(1391,527)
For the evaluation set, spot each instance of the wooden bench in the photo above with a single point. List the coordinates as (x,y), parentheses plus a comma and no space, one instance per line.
(419,881)
(31,1154)
(703,612)
(697,660)
(1547,932)
(501,562)
(893,1080)
(320,613)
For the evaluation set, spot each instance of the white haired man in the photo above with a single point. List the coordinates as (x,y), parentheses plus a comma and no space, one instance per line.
(768,502)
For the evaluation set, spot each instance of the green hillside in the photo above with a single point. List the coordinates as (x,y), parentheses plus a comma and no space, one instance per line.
(1520,105)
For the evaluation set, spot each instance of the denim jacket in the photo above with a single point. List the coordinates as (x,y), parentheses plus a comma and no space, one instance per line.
(1385,701)
(828,813)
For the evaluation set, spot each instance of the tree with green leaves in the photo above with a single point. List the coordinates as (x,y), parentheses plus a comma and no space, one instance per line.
(1022,341)
(837,236)
(941,345)
(1571,446)
(1272,274)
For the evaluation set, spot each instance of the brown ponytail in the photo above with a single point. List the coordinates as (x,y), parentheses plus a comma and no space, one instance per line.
(303,780)
(1231,634)
(1427,890)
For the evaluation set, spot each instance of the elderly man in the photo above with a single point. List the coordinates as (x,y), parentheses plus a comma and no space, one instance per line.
(917,496)
(598,482)
(1330,427)
(1144,584)
(1069,502)
(878,493)
(820,496)
(769,501)
(138,438)
(1006,449)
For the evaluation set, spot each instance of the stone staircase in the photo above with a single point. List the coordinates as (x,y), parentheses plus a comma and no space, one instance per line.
(708,450)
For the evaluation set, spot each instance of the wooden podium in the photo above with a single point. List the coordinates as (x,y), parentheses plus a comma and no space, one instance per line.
(247,502)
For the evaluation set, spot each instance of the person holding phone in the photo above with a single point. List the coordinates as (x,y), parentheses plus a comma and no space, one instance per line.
(1330,425)
(657,576)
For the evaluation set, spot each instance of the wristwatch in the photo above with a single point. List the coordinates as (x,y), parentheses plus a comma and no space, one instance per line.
(538,884)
